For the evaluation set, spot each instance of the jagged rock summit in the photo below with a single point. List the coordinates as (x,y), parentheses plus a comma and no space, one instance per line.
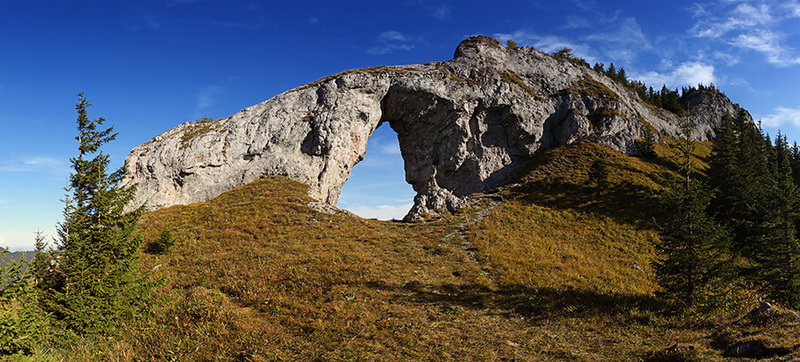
(465,125)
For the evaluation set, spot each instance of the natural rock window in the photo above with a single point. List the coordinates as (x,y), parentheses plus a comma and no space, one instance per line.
(376,187)
(466,125)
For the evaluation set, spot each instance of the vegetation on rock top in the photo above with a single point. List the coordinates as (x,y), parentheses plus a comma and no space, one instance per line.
(199,128)
(674,101)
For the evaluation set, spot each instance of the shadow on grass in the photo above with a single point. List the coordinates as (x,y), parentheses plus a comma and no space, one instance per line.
(624,202)
(533,304)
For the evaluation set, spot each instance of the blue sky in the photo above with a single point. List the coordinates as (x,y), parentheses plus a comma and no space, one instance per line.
(150,65)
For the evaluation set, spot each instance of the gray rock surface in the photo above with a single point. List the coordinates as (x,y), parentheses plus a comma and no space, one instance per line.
(466,125)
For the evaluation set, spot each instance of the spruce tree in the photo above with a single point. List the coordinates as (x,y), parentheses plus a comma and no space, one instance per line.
(723,171)
(92,284)
(23,325)
(14,290)
(753,178)
(777,251)
(647,144)
(693,266)
(757,198)
(622,76)
(612,71)
(598,175)
(796,163)
(738,172)
(694,262)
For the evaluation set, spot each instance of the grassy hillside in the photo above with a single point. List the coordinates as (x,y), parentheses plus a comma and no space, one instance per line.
(548,268)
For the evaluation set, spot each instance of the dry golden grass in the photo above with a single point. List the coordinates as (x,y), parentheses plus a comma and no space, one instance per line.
(539,247)
(580,259)
(259,275)
(591,88)
(558,270)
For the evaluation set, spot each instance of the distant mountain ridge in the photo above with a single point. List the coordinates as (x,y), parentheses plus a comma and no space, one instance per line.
(466,125)
(8,258)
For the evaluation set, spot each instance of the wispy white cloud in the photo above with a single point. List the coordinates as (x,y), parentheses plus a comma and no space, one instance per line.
(688,73)
(35,164)
(768,43)
(381,212)
(754,25)
(390,41)
(390,148)
(441,12)
(759,14)
(781,116)
(727,58)
(792,8)
(741,17)
(547,43)
(619,39)
(384,145)
(624,33)
(389,36)
(207,96)
(586,5)
(576,22)
(42,161)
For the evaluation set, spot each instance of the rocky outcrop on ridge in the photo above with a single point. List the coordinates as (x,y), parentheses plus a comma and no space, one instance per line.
(465,125)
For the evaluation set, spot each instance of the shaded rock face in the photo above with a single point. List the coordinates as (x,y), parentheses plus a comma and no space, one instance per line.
(466,125)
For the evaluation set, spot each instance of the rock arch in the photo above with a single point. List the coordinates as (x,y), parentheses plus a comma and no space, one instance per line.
(466,125)
(377,186)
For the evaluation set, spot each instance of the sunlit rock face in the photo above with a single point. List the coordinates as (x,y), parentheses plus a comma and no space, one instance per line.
(465,125)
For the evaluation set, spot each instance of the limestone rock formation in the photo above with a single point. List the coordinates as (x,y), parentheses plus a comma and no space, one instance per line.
(465,125)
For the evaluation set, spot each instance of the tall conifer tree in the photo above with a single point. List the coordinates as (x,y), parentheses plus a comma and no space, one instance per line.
(723,173)
(742,183)
(92,283)
(694,259)
(777,251)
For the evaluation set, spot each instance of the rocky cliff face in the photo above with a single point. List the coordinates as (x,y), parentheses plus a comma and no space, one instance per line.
(466,125)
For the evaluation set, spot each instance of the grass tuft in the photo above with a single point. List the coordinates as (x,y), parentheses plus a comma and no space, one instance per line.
(375,72)
(199,128)
(509,76)
(592,88)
